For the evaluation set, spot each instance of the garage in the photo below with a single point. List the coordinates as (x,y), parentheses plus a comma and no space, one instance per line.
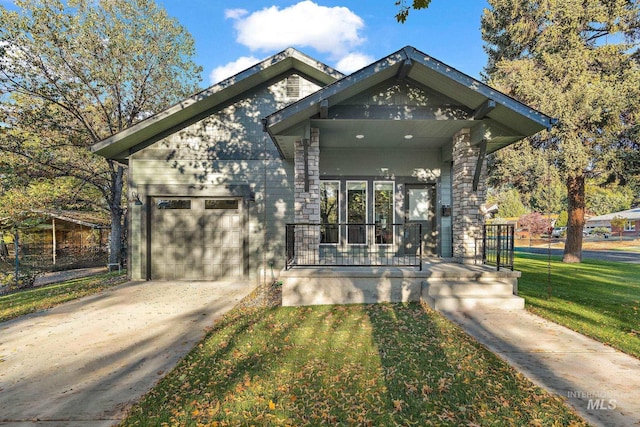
(196,239)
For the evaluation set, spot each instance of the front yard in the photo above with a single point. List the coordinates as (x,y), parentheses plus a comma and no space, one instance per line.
(596,298)
(371,365)
(388,364)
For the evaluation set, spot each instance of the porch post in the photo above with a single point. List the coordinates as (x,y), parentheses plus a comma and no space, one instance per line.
(307,197)
(467,219)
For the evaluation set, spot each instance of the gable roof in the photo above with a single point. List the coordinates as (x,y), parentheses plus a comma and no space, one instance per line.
(121,145)
(629,214)
(493,116)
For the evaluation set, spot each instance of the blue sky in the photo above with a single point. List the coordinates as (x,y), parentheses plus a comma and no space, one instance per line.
(346,34)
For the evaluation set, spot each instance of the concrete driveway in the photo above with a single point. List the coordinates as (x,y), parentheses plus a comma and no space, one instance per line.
(84,362)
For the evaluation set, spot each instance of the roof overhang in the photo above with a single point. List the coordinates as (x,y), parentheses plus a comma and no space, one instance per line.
(493,117)
(121,145)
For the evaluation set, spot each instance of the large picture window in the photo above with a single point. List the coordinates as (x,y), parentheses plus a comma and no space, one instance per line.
(356,212)
(329,211)
(383,211)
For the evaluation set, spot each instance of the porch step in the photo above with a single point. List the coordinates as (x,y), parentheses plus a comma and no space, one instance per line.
(456,295)
(443,285)
(467,289)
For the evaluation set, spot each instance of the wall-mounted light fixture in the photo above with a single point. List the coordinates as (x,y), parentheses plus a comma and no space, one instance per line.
(135,198)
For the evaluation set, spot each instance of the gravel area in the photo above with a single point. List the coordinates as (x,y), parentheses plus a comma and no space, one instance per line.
(268,295)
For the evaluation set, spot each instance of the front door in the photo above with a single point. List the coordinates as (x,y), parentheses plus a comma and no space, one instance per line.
(420,201)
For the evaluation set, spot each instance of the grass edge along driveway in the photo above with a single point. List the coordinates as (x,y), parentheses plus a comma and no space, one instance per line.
(383,364)
(598,299)
(40,298)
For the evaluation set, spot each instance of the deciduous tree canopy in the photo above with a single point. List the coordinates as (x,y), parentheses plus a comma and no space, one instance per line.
(75,72)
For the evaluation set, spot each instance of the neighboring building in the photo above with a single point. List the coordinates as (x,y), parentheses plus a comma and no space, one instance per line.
(66,238)
(631,226)
(214,180)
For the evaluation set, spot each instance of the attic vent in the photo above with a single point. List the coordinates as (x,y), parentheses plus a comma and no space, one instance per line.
(293,86)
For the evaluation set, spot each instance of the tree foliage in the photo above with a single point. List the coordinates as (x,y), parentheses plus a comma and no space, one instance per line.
(509,203)
(75,72)
(525,168)
(576,60)
(403,13)
(604,200)
(535,223)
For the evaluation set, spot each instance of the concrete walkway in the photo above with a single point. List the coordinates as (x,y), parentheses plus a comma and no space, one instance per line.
(84,362)
(602,384)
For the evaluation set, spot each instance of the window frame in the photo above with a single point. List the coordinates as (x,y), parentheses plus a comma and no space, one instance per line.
(338,209)
(393,209)
(366,209)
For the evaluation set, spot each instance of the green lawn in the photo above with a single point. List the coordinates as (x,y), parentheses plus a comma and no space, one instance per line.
(369,365)
(43,297)
(596,298)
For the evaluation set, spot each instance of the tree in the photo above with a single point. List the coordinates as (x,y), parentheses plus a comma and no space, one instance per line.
(563,217)
(73,73)
(535,223)
(403,14)
(603,200)
(509,204)
(617,224)
(576,60)
(525,168)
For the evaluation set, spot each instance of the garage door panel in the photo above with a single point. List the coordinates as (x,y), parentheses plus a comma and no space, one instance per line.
(193,239)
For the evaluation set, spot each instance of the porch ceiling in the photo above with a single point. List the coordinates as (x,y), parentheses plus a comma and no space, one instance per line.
(426,134)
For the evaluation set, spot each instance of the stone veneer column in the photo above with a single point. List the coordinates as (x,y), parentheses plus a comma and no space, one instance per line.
(467,219)
(307,203)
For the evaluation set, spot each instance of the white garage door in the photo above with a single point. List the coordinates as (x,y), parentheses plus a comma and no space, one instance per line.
(196,239)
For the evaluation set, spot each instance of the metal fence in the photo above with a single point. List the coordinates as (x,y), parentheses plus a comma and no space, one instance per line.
(497,245)
(362,245)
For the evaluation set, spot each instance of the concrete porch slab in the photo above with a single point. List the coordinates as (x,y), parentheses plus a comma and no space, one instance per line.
(358,285)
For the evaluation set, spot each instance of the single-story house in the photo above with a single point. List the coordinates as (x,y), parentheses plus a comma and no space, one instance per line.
(630,228)
(290,163)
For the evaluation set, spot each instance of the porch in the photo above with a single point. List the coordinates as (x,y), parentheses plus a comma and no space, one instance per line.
(443,284)
(371,263)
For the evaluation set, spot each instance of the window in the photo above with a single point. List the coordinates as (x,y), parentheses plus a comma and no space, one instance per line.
(221,204)
(419,204)
(293,86)
(383,211)
(356,212)
(630,226)
(173,204)
(329,211)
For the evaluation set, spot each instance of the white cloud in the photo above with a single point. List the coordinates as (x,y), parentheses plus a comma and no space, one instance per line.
(331,30)
(235,13)
(353,62)
(232,68)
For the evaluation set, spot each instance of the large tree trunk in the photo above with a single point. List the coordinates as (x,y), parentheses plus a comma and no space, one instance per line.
(115,245)
(575,224)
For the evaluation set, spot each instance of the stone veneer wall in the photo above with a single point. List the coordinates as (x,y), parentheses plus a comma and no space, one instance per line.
(467,220)
(307,203)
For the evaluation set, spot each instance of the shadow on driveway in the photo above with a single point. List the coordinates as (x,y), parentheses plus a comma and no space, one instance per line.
(85,362)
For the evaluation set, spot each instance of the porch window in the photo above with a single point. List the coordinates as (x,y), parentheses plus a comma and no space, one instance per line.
(383,211)
(356,212)
(329,211)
